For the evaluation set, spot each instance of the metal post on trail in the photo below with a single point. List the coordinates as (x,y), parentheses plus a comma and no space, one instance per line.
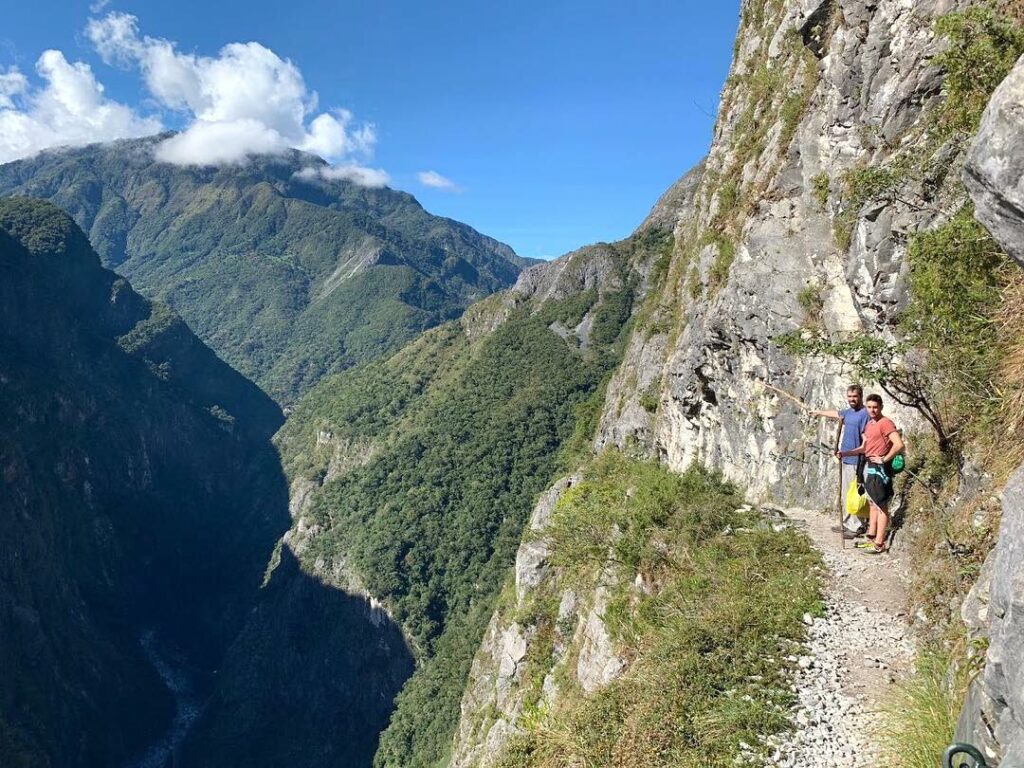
(839,494)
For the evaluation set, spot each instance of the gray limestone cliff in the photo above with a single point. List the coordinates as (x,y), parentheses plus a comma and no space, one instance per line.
(993,716)
(779,235)
(777,241)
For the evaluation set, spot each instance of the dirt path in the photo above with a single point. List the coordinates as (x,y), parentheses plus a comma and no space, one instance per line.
(853,655)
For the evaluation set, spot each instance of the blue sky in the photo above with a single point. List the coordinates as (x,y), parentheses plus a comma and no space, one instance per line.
(558,123)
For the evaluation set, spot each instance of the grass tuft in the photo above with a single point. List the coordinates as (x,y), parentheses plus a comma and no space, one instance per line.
(707,639)
(923,711)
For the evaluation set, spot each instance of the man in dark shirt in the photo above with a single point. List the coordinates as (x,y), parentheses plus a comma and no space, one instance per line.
(855,418)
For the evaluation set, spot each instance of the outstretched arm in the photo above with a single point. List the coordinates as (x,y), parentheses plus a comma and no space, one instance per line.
(852,452)
(826,414)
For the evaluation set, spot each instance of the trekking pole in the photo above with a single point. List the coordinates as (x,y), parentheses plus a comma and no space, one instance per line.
(839,494)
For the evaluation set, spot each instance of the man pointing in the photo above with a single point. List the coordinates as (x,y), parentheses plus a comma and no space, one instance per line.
(855,418)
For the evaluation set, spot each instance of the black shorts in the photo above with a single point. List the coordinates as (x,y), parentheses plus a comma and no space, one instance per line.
(878,484)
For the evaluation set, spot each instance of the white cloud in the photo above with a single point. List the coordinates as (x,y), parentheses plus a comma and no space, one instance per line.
(437,181)
(68,110)
(98,6)
(357,174)
(246,97)
(12,83)
(218,143)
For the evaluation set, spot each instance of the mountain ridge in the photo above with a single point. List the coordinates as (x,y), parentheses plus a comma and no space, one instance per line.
(285,273)
(134,500)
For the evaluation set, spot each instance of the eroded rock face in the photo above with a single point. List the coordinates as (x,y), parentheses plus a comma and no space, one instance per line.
(995,168)
(495,694)
(993,715)
(504,679)
(693,381)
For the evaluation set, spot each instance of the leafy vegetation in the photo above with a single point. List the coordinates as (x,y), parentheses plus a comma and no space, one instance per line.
(946,364)
(725,254)
(820,188)
(812,302)
(860,186)
(706,641)
(445,447)
(287,279)
(984,44)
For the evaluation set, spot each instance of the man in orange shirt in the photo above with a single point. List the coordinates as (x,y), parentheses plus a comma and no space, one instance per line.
(881,443)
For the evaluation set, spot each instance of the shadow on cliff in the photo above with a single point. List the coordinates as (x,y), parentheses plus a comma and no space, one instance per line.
(310,680)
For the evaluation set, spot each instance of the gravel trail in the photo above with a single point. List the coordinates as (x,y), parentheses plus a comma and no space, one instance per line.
(853,655)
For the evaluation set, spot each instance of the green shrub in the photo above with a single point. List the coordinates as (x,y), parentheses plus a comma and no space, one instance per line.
(923,711)
(812,301)
(955,277)
(707,644)
(859,186)
(819,188)
(650,399)
(983,46)
(728,198)
(725,254)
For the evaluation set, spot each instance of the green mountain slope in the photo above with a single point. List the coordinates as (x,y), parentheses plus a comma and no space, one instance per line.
(412,476)
(286,277)
(141,497)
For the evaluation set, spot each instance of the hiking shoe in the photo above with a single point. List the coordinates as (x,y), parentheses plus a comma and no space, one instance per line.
(849,535)
(866,544)
(874,549)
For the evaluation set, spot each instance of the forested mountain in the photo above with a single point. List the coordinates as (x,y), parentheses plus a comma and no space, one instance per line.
(142,502)
(141,497)
(286,275)
(412,476)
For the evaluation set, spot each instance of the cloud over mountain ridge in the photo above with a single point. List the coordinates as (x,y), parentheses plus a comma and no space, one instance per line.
(244,101)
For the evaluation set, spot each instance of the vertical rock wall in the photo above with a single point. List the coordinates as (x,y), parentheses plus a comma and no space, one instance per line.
(774,242)
(993,715)
(771,241)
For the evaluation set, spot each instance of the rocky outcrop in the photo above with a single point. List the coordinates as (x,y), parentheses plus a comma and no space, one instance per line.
(993,715)
(776,241)
(509,675)
(995,169)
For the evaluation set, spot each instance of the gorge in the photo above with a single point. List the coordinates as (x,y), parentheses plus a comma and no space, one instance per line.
(498,526)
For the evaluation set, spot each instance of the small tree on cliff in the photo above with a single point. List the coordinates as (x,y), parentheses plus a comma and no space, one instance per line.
(946,366)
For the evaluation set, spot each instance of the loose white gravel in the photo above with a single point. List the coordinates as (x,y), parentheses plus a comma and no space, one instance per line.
(852,655)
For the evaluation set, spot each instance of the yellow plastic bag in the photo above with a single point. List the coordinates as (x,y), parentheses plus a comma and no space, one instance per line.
(856,503)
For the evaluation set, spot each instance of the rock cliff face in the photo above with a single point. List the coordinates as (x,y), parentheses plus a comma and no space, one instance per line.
(499,692)
(778,240)
(993,716)
(789,229)
(140,498)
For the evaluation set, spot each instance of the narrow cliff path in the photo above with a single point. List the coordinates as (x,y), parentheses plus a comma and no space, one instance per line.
(853,656)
